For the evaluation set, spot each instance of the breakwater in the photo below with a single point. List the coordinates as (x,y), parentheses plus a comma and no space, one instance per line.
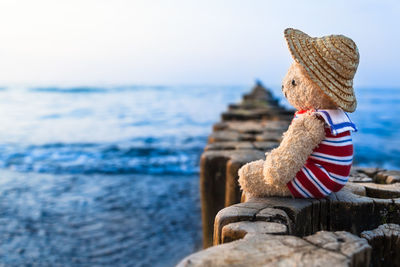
(354,227)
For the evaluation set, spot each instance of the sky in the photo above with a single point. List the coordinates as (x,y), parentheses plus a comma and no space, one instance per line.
(170,42)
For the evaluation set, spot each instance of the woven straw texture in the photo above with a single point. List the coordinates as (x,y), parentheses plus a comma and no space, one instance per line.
(330,61)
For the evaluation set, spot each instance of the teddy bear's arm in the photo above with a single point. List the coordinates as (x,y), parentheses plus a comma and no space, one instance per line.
(283,163)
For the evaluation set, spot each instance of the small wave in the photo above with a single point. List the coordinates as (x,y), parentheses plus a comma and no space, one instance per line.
(148,155)
(79,89)
(94,89)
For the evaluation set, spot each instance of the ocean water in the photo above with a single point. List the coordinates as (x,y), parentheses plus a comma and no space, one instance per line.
(109,175)
(103,176)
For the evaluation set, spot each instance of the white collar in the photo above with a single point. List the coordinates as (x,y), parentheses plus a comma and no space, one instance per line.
(337,120)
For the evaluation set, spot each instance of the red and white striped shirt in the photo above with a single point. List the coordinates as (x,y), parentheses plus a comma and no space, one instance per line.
(328,167)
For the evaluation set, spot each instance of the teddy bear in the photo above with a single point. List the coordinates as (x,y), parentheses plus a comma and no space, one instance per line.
(316,152)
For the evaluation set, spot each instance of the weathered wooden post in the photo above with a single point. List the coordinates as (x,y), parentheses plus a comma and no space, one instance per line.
(247,130)
(340,230)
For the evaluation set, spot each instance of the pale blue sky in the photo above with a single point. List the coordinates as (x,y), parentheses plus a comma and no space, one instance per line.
(94,42)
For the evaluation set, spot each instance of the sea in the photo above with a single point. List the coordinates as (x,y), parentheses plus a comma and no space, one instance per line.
(109,175)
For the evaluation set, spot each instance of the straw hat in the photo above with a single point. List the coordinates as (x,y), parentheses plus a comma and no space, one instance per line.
(330,61)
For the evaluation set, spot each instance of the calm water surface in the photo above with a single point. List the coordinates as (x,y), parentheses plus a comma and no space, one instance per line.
(109,175)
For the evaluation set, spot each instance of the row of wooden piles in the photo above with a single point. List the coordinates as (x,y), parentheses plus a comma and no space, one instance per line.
(354,227)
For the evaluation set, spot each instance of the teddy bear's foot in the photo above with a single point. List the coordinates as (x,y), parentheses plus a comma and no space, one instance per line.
(252,182)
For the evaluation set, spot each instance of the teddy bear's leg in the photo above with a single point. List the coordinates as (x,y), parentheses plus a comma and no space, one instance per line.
(252,182)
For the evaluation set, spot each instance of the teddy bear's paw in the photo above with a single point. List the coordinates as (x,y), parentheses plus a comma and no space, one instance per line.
(251,178)
(253,184)
(270,175)
(277,190)
(269,179)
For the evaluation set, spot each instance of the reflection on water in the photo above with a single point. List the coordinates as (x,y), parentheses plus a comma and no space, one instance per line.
(96,176)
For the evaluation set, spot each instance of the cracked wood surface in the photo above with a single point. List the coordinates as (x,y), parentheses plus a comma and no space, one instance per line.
(238,230)
(385,243)
(320,249)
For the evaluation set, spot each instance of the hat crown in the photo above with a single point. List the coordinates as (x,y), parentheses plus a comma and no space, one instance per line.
(331,61)
(338,52)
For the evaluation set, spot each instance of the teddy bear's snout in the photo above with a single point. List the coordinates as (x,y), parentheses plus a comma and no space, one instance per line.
(284,92)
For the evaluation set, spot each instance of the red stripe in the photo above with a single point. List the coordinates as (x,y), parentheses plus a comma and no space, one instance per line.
(293,190)
(322,177)
(342,170)
(339,151)
(330,135)
(308,185)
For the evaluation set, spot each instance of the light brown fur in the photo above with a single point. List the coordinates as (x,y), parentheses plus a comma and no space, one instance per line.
(305,94)
(269,177)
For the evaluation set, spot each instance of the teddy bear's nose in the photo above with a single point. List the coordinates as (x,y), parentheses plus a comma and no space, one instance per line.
(284,92)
